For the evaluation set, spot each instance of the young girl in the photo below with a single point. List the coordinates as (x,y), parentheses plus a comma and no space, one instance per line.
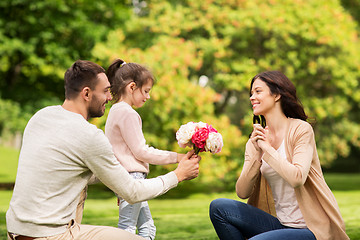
(281,176)
(130,86)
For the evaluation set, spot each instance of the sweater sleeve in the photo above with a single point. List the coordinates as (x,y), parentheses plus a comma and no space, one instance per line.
(294,171)
(102,162)
(250,172)
(131,131)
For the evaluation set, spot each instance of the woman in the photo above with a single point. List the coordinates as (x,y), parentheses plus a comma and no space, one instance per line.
(288,197)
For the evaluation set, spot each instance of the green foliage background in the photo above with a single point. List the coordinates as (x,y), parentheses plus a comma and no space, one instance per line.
(315,43)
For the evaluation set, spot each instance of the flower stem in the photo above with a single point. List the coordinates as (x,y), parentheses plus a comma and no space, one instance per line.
(197,150)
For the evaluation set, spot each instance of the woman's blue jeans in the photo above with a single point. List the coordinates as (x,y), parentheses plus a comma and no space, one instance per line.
(237,220)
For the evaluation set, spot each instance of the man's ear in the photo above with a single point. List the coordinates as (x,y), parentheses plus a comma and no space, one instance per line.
(86,93)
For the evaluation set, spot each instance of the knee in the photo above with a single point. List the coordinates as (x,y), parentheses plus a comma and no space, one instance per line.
(217,206)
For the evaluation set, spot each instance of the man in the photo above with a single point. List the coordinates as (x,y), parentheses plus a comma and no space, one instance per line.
(61,151)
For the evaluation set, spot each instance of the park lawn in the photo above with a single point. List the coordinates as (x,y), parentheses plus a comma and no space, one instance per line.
(188,218)
(5,196)
(8,162)
(180,217)
(184,218)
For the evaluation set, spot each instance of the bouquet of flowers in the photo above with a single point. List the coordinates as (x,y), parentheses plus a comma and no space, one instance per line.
(201,136)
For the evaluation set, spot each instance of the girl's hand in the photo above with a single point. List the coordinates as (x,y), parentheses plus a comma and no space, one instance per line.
(180,156)
(257,134)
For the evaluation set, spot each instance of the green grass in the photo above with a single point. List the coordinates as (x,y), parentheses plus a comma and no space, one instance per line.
(188,218)
(4,205)
(185,218)
(180,217)
(8,163)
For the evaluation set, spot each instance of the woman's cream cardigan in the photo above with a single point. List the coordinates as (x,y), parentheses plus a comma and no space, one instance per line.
(302,171)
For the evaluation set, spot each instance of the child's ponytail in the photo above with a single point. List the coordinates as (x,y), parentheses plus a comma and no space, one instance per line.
(120,74)
(112,69)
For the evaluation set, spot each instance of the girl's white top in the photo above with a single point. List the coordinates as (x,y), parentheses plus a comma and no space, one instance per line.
(124,130)
(286,205)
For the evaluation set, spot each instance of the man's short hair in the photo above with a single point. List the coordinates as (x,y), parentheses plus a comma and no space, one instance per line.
(81,74)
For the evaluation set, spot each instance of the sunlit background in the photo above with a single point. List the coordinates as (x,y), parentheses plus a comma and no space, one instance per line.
(203,55)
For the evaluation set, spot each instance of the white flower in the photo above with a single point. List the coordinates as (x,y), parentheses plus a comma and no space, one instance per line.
(201,125)
(214,143)
(184,134)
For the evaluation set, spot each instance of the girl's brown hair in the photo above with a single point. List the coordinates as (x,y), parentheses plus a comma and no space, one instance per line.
(120,74)
(281,85)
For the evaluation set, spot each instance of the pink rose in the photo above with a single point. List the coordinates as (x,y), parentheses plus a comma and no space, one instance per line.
(199,138)
(211,129)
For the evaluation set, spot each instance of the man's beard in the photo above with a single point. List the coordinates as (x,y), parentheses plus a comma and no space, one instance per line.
(95,112)
(95,109)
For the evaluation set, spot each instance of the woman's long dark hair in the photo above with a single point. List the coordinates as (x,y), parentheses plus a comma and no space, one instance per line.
(281,85)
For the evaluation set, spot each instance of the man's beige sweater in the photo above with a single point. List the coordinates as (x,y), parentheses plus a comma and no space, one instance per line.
(59,154)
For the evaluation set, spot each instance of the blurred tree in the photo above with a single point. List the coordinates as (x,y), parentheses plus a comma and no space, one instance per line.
(229,41)
(236,39)
(40,39)
(353,6)
(175,100)
(222,42)
(12,119)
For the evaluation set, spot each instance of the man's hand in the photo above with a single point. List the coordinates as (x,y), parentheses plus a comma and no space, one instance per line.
(188,167)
